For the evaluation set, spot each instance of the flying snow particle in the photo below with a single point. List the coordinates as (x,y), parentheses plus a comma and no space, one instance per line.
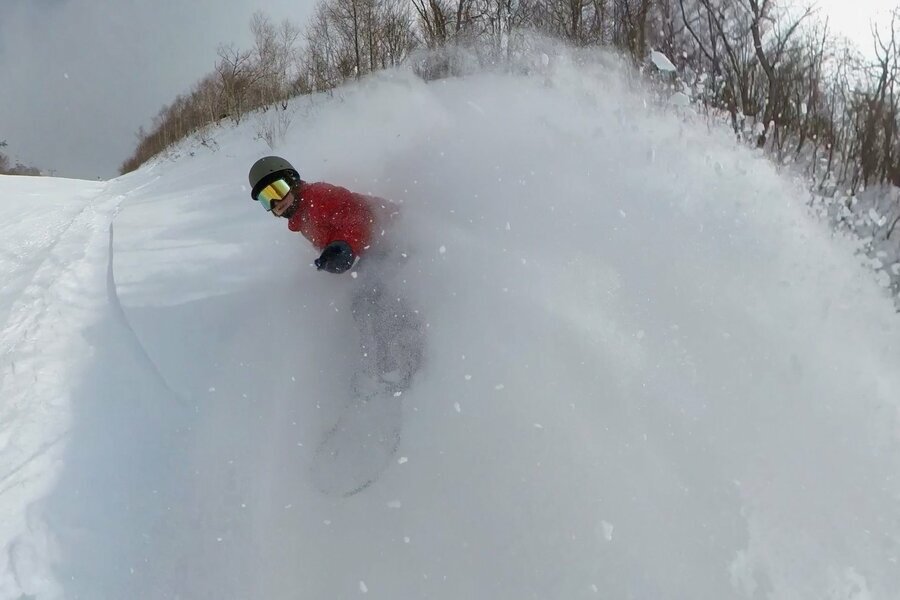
(876,218)
(402,460)
(607,530)
(475,107)
(394,504)
(680,99)
(363,587)
(468,378)
(662,62)
(499,386)
(442,249)
(457,407)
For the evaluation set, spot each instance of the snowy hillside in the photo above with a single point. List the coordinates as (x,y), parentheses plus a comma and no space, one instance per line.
(646,372)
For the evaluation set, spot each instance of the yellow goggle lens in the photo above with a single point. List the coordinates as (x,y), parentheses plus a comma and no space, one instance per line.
(273,192)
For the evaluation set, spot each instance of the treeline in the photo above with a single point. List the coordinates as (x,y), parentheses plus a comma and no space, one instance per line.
(786,82)
(346,38)
(7,168)
(791,86)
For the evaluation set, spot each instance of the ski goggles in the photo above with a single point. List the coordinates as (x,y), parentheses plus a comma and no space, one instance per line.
(273,192)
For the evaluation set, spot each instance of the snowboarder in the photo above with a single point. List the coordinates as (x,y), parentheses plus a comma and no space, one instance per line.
(335,220)
(341,224)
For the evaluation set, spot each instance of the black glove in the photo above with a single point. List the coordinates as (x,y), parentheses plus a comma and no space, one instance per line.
(337,257)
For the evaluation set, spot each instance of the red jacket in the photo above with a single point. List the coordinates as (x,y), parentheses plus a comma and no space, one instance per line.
(327,213)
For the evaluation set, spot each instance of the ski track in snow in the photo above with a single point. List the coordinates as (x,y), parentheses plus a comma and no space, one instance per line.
(37,366)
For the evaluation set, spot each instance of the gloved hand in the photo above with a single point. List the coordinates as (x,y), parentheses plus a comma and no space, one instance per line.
(337,257)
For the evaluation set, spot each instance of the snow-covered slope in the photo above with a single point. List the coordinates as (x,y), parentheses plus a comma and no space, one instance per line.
(647,372)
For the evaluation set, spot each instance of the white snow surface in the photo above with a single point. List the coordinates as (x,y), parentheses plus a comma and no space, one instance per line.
(676,384)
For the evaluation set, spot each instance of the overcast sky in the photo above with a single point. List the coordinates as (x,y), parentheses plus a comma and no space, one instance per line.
(853,17)
(79,77)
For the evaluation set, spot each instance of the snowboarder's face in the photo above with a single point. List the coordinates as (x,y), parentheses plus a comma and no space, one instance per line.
(281,207)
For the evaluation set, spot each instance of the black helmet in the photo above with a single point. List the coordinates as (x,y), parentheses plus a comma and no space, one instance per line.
(268,169)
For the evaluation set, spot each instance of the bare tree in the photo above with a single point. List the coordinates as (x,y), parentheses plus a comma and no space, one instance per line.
(346,17)
(442,21)
(761,14)
(397,37)
(237,77)
(350,38)
(321,57)
(630,30)
(884,101)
